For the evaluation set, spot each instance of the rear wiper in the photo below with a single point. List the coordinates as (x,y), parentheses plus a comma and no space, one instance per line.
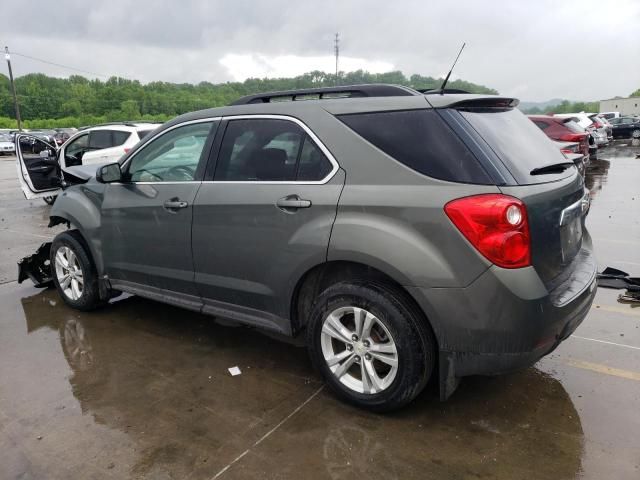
(553,168)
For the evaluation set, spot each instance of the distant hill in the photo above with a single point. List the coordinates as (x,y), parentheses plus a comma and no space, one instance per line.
(541,106)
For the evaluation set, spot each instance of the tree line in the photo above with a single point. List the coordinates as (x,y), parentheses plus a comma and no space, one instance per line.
(565,107)
(47,102)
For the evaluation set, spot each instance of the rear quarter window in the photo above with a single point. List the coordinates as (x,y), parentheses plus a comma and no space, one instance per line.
(422,141)
(119,137)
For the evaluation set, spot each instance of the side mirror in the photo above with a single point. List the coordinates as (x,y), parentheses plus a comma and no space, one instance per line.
(109,173)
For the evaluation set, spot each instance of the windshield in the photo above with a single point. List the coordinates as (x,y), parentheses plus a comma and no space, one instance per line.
(517,141)
(5,138)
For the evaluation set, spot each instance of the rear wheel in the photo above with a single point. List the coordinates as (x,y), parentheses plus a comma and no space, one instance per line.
(371,346)
(74,273)
(635,133)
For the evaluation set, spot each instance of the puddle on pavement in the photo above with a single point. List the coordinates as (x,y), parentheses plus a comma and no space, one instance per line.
(155,377)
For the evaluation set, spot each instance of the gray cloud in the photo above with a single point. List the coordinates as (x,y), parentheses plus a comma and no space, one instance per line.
(578,49)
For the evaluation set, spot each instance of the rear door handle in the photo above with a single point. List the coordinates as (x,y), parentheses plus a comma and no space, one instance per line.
(292,202)
(175,204)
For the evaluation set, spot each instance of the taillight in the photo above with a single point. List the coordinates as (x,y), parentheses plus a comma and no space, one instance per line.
(496,225)
(126,149)
(572,149)
(572,137)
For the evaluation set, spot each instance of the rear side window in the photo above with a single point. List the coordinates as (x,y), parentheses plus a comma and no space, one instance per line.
(119,137)
(99,139)
(422,141)
(269,150)
(541,125)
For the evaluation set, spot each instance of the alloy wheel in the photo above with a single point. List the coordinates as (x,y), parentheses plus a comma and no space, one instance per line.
(69,273)
(359,350)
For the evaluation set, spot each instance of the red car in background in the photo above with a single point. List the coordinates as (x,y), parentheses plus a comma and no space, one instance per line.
(563,129)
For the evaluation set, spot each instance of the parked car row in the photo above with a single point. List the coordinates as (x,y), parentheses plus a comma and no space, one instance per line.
(591,131)
(57,135)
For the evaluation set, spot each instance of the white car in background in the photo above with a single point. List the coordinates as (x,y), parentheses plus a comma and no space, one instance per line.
(6,144)
(102,143)
(39,168)
(609,115)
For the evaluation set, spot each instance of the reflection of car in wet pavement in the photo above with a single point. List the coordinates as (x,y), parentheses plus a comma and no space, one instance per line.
(175,416)
(448,261)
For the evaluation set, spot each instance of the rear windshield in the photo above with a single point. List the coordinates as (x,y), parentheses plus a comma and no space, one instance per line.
(517,141)
(422,141)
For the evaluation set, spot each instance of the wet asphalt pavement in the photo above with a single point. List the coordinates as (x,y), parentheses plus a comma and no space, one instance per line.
(141,389)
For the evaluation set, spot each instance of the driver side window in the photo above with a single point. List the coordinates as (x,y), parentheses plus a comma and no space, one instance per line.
(172,157)
(75,150)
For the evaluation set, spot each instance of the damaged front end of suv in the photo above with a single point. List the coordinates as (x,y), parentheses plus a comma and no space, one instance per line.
(37,267)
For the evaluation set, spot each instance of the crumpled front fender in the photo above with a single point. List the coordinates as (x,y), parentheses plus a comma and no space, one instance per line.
(79,206)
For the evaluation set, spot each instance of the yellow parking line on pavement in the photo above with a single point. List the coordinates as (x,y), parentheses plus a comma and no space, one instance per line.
(599,368)
(622,310)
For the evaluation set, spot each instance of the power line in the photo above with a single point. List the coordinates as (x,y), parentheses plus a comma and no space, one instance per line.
(60,65)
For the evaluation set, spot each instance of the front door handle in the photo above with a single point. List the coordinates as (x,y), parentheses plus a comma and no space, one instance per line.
(292,202)
(175,204)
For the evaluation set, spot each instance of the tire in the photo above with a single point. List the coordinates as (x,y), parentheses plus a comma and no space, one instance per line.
(398,329)
(635,134)
(50,200)
(82,291)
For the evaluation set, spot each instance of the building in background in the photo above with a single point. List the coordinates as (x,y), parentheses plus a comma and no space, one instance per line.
(626,106)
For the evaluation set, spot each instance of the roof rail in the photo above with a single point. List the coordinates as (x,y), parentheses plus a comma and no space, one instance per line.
(347,91)
(430,91)
(127,123)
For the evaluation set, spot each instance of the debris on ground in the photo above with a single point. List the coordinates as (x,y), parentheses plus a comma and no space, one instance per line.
(234,371)
(614,278)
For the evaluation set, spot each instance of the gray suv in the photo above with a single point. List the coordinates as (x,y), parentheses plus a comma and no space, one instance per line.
(407,235)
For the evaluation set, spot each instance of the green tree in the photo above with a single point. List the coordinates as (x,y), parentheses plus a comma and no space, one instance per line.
(76,101)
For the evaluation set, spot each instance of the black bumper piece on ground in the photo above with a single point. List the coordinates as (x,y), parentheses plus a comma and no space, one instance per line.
(37,267)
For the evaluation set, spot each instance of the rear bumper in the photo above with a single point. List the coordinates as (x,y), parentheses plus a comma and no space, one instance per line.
(507,319)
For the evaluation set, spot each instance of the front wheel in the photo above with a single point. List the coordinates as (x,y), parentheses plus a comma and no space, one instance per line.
(635,133)
(371,345)
(74,273)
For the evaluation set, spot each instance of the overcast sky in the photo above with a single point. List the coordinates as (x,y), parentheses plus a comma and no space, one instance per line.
(532,49)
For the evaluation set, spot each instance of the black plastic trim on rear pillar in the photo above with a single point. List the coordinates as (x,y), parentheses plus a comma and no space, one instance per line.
(485,155)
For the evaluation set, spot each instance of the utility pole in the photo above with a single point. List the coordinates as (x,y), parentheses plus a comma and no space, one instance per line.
(13,87)
(336,49)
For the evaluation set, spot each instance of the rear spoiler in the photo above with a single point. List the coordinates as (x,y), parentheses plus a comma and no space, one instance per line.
(486,103)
